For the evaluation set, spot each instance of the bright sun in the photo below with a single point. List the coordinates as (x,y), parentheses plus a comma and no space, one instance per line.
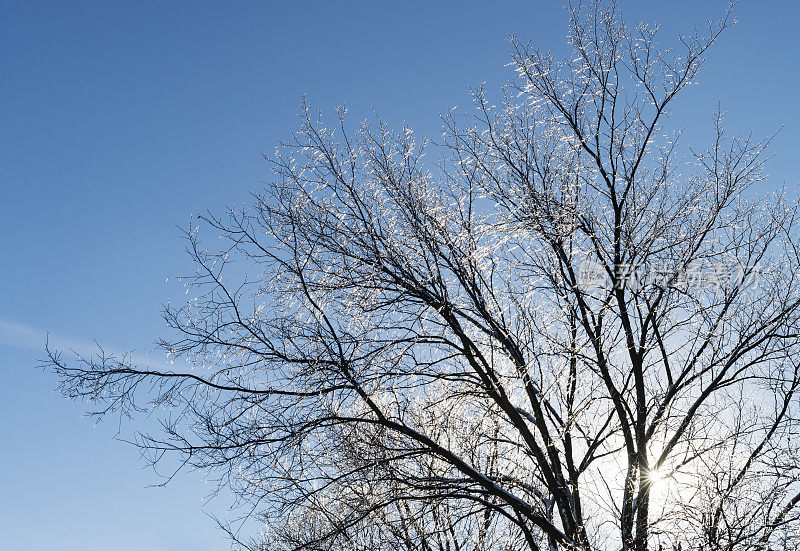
(656,476)
(659,485)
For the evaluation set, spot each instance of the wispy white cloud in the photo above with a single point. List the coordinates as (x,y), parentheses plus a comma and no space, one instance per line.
(19,335)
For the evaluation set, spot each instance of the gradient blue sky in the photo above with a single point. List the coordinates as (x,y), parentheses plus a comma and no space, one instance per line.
(119,120)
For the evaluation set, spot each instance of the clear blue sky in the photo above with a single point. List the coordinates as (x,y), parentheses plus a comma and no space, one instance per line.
(119,120)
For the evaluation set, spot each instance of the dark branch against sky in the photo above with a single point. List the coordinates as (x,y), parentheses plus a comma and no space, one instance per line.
(122,120)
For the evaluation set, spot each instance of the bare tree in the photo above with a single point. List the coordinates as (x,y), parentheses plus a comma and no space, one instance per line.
(394,351)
